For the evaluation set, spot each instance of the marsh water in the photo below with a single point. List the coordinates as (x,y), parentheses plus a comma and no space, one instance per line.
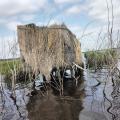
(96,97)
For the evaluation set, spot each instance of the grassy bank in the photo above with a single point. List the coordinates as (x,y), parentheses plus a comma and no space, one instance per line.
(98,59)
(7,66)
(13,73)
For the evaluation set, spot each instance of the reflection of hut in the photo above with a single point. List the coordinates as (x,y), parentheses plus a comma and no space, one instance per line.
(46,47)
(50,108)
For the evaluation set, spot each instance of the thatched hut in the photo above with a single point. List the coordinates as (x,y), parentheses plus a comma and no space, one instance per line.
(46,47)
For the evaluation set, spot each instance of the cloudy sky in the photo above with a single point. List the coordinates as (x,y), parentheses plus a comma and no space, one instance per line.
(87,19)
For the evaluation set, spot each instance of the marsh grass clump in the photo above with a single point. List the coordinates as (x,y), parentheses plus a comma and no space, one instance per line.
(6,66)
(99,59)
(13,71)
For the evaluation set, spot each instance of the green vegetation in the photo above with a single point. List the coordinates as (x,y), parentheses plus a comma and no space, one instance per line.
(12,71)
(98,59)
(7,66)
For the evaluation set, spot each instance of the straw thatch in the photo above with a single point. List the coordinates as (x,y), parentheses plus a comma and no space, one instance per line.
(46,47)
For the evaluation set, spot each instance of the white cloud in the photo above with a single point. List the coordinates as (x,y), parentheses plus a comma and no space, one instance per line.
(74,10)
(14,12)
(13,25)
(97,9)
(28,17)
(13,7)
(65,1)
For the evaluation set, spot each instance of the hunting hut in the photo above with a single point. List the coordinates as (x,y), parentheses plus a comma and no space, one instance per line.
(46,47)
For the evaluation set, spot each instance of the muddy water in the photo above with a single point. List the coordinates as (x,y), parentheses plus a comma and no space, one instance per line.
(97,97)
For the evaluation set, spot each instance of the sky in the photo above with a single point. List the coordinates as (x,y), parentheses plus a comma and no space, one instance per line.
(87,19)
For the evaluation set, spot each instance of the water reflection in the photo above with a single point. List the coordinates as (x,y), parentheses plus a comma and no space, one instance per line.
(42,106)
(11,109)
(51,107)
(102,96)
(95,98)
(114,108)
